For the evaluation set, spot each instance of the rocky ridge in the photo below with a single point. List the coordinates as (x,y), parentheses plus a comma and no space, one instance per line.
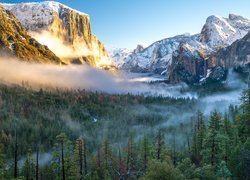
(16,42)
(70,27)
(187,57)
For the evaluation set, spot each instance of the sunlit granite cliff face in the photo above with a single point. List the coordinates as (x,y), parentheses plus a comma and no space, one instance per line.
(15,41)
(60,27)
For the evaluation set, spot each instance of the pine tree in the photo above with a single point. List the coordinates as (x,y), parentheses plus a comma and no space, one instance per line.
(174,156)
(246,159)
(85,157)
(28,168)
(107,153)
(68,165)
(107,159)
(132,158)
(198,139)
(37,162)
(15,154)
(79,155)
(212,149)
(187,168)
(227,132)
(2,162)
(162,171)
(61,138)
(223,172)
(159,144)
(243,120)
(145,152)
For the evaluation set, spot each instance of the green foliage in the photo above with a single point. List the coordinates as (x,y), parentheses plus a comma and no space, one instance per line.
(205,172)
(244,119)
(198,138)
(28,169)
(187,168)
(223,171)
(212,148)
(73,122)
(163,171)
(2,162)
(41,115)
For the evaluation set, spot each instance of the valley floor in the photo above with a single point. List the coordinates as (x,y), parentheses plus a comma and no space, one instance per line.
(120,136)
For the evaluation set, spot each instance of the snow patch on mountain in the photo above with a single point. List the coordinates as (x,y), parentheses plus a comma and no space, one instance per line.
(38,14)
(119,55)
(220,31)
(217,32)
(158,57)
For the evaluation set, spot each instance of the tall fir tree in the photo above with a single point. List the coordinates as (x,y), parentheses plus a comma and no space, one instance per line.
(243,120)
(198,138)
(159,145)
(212,148)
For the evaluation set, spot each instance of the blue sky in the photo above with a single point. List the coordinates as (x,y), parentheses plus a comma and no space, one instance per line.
(126,23)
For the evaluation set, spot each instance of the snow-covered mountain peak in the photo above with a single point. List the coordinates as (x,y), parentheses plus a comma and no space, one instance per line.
(35,15)
(119,55)
(139,49)
(66,31)
(157,58)
(220,31)
(49,5)
(235,17)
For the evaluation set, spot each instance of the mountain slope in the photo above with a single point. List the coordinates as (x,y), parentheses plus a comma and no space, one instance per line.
(119,55)
(220,31)
(15,41)
(162,56)
(235,55)
(57,25)
(157,58)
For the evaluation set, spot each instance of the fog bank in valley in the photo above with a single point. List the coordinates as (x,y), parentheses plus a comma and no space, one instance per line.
(79,77)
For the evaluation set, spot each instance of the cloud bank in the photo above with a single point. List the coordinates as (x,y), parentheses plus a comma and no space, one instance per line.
(78,77)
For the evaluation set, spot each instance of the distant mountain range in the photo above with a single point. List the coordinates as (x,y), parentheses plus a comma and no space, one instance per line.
(51,32)
(190,58)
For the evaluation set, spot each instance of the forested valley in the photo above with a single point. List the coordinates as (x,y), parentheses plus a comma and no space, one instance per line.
(70,134)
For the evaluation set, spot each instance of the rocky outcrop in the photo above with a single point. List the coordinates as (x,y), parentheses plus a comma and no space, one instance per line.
(70,27)
(15,41)
(189,65)
(175,57)
(157,58)
(119,56)
(221,32)
(193,67)
(235,55)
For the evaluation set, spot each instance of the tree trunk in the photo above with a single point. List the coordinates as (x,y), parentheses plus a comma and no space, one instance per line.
(37,163)
(15,156)
(63,168)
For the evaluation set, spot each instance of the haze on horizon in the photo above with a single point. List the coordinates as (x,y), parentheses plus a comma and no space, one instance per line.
(128,23)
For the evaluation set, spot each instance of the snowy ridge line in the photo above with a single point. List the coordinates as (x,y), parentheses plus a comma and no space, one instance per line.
(51,5)
(218,32)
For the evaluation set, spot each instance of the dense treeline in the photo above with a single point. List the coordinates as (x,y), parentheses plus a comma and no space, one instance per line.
(33,124)
(39,116)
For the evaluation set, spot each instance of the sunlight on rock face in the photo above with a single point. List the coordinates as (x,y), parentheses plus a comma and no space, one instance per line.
(104,61)
(69,52)
(61,49)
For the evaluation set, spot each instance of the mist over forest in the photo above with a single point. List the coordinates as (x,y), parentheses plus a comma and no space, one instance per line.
(73,109)
(109,107)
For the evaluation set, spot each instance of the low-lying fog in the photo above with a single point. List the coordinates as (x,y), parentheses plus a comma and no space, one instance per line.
(81,77)
(85,77)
